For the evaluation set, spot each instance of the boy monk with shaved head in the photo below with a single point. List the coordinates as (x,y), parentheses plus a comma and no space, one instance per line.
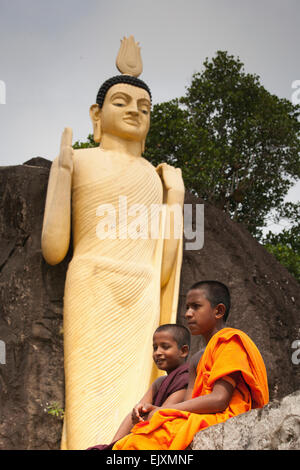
(171,344)
(230,378)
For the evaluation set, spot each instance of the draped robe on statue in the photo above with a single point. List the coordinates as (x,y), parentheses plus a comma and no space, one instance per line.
(113,300)
(228,351)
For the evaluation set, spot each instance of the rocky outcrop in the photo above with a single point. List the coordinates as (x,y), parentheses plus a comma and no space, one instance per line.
(265,304)
(274,427)
(30,315)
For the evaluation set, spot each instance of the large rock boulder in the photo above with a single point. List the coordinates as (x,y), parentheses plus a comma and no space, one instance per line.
(274,427)
(265,300)
(31,296)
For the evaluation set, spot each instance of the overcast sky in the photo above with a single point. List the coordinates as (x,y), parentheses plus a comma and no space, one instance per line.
(55,54)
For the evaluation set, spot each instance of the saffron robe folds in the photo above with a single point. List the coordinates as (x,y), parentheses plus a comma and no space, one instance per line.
(228,351)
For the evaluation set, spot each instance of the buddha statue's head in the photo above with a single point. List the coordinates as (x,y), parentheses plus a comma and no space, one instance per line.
(123,102)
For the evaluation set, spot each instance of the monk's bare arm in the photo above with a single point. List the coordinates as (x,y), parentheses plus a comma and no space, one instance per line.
(193,363)
(215,402)
(57,217)
(124,428)
(174,398)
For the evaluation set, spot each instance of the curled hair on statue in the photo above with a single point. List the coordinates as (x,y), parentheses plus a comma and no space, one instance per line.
(128,79)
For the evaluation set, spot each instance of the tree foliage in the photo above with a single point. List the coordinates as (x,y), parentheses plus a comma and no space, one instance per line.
(237,144)
(84,145)
(285,246)
(238,147)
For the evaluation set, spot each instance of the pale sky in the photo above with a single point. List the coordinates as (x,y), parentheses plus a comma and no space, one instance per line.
(55,55)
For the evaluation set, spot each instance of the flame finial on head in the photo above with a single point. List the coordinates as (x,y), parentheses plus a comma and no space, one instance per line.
(130,64)
(129,59)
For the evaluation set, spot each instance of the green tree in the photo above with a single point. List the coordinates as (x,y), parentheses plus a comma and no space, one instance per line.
(88,144)
(285,246)
(237,144)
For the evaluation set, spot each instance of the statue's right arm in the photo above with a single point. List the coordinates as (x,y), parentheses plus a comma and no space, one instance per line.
(57,217)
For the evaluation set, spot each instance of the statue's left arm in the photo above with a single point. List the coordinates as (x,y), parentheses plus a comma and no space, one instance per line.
(174,199)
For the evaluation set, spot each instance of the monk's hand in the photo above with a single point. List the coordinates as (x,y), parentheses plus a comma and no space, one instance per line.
(148,410)
(172,181)
(140,412)
(137,413)
(65,159)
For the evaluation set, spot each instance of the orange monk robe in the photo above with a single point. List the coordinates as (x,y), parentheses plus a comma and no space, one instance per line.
(228,351)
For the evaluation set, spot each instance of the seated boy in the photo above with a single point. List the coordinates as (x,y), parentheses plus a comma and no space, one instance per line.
(171,344)
(231,378)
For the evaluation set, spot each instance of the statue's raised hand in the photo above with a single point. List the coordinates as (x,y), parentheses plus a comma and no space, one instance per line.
(171,177)
(65,159)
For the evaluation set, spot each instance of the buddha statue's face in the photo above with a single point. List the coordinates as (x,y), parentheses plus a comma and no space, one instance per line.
(126,112)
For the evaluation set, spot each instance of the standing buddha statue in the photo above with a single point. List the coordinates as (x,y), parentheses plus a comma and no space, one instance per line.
(118,288)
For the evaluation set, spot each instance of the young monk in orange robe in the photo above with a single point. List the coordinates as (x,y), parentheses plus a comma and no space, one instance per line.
(231,378)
